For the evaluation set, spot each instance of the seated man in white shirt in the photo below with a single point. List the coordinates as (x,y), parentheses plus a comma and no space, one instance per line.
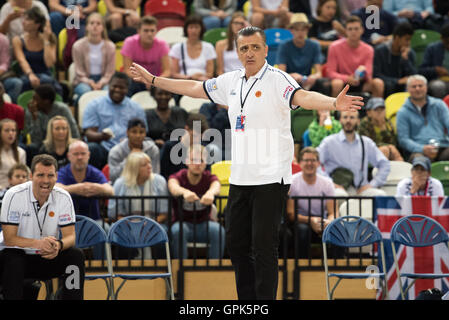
(313,215)
(420,183)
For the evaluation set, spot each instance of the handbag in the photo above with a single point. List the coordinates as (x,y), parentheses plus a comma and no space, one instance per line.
(344,176)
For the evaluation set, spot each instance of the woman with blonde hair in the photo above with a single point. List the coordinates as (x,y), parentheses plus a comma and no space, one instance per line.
(138,180)
(10,152)
(227,58)
(94,57)
(58,139)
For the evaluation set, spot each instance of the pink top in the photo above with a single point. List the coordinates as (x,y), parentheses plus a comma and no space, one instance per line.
(343,60)
(150,59)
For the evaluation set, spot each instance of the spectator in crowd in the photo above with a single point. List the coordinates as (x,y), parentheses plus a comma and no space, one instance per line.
(346,155)
(314,216)
(163,119)
(413,11)
(193,59)
(57,140)
(17,174)
(41,109)
(442,8)
(435,65)
(217,118)
(227,58)
(323,125)
(94,58)
(269,14)
(300,55)
(394,61)
(74,11)
(301,6)
(386,21)
(36,53)
(347,6)
(122,13)
(85,183)
(420,183)
(136,141)
(198,188)
(139,179)
(106,118)
(54,241)
(215,14)
(192,133)
(11,111)
(423,122)
(12,16)
(10,152)
(5,56)
(378,128)
(325,26)
(350,61)
(144,48)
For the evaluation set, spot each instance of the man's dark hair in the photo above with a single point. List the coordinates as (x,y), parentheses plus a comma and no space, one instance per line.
(120,75)
(194,19)
(147,20)
(46,92)
(45,159)
(136,122)
(193,117)
(403,29)
(445,31)
(353,19)
(249,31)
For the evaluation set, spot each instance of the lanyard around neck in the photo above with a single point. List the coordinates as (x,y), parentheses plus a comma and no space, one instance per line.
(36,211)
(242,102)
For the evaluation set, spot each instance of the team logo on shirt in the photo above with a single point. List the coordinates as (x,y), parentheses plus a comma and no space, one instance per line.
(211,85)
(51,214)
(258,93)
(13,216)
(287,92)
(66,217)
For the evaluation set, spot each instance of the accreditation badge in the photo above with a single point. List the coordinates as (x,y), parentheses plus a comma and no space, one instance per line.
(240,125)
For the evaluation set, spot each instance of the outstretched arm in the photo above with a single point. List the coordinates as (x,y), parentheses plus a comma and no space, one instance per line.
(317,101)
(189,88)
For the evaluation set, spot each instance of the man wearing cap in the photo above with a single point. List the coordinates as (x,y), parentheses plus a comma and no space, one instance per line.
(300,55)
(423,123)
(260,99)
(421,183)
(376,126)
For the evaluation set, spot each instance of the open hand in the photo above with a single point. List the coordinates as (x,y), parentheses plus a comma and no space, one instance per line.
(348,103)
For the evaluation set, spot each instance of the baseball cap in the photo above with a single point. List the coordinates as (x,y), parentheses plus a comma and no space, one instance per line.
(375,103)
(299,18)
(421,161)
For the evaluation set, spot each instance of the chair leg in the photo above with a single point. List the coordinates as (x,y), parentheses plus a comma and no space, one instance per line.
(408,287)
(333,288)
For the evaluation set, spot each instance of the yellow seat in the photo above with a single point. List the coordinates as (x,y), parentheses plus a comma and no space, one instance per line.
(118,56)
(247,8)
(222,170)
(392,105)
(62,42)
(101,8)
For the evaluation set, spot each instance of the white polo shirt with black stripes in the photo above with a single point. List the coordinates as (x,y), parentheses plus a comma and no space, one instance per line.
(20,208)
(262,153)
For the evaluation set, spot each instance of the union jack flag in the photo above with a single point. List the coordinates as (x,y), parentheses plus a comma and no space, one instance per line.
(387,210)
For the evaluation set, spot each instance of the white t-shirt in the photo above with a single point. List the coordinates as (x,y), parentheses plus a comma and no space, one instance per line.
(95,58)
(15,26)
(231,60)
(433,188)
(193,65)
(19,207)
(263,152)
(8,162)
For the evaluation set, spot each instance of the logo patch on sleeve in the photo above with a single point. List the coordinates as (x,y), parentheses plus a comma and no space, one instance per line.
(14,216)
(66,217)
(211,85)
(287,92)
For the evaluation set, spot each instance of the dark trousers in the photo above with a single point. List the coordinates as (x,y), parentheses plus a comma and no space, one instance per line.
(17,266)
(253,217)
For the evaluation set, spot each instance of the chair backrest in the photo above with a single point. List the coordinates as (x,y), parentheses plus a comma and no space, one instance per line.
(62,42)
(192,104)
(171,35)
(357,207)
(440,170)
(222,169)
(392,105)
(88,232)
(214,35)
(6,98)
(422,38)
(101,8)
(71,72)
(85,99)
(25,97)
(165,7)
(146,100)
(398,171)
(300,121)
(418,231)
(277,35)
(137,232)
(351,231)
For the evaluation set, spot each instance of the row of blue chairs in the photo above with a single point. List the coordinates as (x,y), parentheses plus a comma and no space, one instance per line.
(354,231)
(130,232)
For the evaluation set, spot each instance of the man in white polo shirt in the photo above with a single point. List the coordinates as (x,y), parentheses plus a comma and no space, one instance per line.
(259,98)
(32,216)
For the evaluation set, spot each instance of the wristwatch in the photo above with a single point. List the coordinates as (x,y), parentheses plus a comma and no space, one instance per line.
(62,245)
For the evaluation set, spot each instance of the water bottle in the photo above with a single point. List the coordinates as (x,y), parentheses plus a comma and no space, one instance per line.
(434,143)
(328,123)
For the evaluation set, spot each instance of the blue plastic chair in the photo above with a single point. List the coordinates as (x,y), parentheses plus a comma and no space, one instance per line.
(275,36)
(88,234)
(140,232)
(306,139)
(417,231)
(348,232)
